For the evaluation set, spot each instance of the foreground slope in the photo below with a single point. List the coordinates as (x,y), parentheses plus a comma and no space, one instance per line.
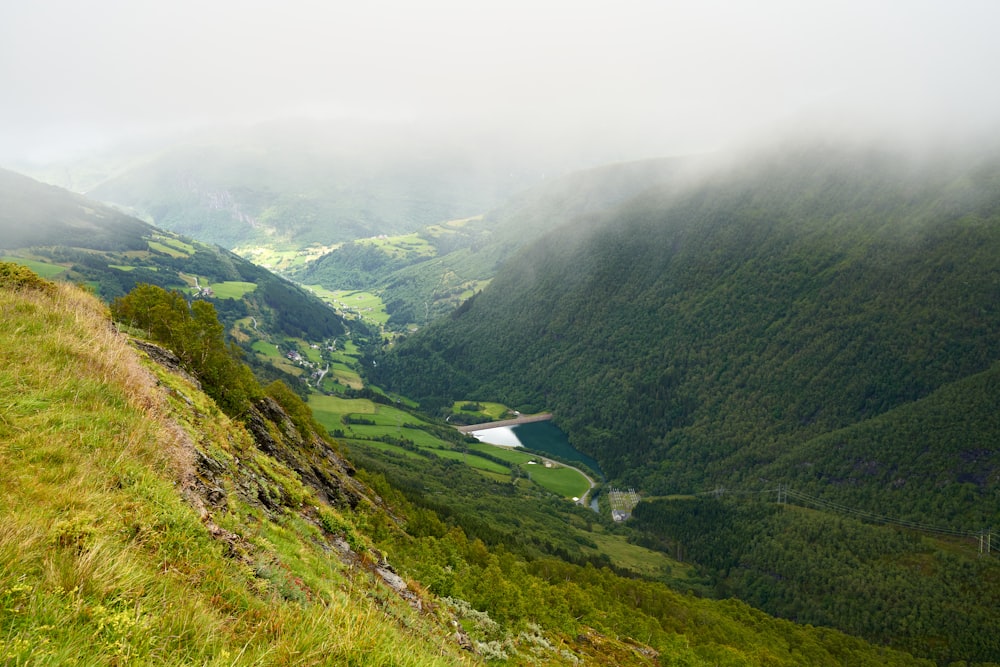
(131,536)
(145,527)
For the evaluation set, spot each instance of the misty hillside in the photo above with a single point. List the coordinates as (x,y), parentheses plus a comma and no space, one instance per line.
(422,278)
(303,183)
(36,214)
(702,336)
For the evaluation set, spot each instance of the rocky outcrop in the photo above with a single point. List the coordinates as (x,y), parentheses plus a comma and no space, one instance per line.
(315,461)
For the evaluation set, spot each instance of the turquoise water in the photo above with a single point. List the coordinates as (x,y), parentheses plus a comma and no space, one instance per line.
(548,438)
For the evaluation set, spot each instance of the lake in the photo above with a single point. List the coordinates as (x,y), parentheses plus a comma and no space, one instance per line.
(543,436)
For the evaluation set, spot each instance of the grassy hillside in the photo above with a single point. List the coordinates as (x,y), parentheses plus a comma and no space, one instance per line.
(132,536)
(145,527)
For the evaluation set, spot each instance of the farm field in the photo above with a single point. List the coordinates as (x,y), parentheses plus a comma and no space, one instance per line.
(487,411)
(282,259)
(232,289)
(363,305)
(43,269)
(381,424)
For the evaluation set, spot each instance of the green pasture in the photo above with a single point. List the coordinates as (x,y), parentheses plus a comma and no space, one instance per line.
(420,438)
(509,454)
(345,375)
(366,305)
(399,247)
(472,287)
(564,481)
(561,480)
(491,411)
(653,564)
(473,461)
(174,243)
(449,227)
(266,349)
(43,269)
(391,422)
(167,249)
(232,289)
(282,258)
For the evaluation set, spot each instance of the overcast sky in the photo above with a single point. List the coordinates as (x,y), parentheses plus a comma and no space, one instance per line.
(656,76)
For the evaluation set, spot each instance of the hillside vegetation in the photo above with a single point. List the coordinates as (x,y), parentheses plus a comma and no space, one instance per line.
(427,274)
(146,527)
(820,322)
(701,337)
(71,238)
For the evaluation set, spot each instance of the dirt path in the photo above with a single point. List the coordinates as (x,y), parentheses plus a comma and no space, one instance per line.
(524,419)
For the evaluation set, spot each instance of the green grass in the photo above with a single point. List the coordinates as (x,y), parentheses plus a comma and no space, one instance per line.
(43,269)
(282,258)
(649,563)
(166,249)
(346,375)
(103,562)
(232,289)
(175,243)
(489,411)
(364,305)
(560,480)
(400,247)
(267,349)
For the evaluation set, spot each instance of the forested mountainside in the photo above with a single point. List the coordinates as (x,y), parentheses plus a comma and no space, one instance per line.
(428,274)
(144,525)
(763,325)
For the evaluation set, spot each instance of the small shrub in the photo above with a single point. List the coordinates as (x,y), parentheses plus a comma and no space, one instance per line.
(16,276)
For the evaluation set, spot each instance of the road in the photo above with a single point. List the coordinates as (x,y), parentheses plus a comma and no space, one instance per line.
(524,419)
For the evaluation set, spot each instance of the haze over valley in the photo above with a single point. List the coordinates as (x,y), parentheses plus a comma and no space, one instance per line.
(263,269)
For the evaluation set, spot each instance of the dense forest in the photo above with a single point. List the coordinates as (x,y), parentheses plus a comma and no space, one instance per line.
(699,335)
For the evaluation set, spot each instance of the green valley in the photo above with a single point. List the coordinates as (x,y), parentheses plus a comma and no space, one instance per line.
(192,536)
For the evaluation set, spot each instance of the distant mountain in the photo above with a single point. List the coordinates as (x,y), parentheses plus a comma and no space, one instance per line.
(304,183)
(428,276)
(37,214)
(795,317)
(61,234)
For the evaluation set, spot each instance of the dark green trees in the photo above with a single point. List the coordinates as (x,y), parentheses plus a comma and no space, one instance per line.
(194,334)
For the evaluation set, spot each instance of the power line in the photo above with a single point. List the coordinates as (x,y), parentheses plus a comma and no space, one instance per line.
(783,493)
